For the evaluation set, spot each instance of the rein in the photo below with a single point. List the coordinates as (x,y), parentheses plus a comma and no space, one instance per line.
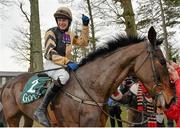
(146,57)
(157,83)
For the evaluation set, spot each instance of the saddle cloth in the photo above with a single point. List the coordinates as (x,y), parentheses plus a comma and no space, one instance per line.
(35,88)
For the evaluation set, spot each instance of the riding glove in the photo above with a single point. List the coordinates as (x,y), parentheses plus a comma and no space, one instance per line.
(85,20)
(72,66)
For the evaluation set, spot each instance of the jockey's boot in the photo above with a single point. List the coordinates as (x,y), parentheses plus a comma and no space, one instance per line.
(40,114)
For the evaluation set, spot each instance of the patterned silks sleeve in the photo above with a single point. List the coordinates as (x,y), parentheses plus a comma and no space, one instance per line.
(83,39)
(50,53)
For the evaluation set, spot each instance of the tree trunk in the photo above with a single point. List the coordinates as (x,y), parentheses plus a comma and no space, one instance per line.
(128,15)
(167,50)
(93,40)
(36,60)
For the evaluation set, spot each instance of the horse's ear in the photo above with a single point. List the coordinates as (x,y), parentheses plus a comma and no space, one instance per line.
(159,41)
(152,36)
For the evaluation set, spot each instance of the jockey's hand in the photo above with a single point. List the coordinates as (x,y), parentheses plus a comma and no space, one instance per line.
(72,66)
(85,20)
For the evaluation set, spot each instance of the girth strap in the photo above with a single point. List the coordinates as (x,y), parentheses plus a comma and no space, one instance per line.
(89,102)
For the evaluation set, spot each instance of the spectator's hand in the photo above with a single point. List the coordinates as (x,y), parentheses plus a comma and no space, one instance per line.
(173,73)
(85,20)
(72,66)
(134,88)
(175,65)
(178,63)
(127,83)
(124,88)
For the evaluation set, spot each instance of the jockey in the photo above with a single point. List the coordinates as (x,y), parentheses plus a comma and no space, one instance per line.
(58,47)
(173,112)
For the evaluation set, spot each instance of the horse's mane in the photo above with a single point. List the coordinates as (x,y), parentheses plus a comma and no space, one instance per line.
(113,44)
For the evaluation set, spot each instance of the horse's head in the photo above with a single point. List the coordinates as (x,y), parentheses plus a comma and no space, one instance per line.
(108,66)
(156,80)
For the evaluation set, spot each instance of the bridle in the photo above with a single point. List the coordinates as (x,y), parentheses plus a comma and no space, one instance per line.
(157,82)
(152,57)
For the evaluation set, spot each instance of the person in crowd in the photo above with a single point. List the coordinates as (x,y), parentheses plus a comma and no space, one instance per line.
(173,112)
(58,47)
(140,100)
(175,65)
(144,103)
(170,123)
(114,108)
(138,92)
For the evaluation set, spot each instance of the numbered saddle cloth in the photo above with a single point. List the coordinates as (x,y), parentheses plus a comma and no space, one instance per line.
(34,88)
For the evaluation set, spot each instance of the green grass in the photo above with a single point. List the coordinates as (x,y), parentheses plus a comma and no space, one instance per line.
(123,116)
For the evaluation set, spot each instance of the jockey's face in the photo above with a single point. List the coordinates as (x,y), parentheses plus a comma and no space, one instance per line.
(63,23)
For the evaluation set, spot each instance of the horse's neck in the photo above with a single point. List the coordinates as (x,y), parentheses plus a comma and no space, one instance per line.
(103,75)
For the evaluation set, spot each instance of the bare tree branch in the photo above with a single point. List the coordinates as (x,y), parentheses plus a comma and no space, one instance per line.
(6,2)
(24,13)
(20,5)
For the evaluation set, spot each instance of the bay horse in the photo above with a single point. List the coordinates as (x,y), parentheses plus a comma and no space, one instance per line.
(89,87)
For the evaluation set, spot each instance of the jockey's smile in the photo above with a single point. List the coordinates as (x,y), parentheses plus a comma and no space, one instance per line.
(62,23)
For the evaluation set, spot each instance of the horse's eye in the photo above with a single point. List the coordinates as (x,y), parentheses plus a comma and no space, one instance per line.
(163,61)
